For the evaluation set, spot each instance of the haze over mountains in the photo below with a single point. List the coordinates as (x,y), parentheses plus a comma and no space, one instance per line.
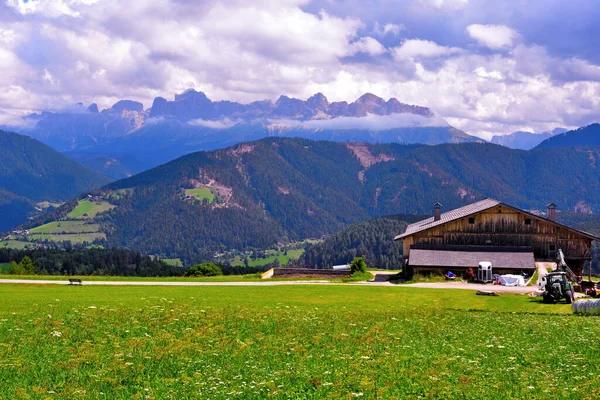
(256,194)
(140,138)
(525,140)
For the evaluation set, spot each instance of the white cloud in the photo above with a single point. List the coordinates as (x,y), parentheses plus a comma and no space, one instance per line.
(388,29)
(370,122)
(493,36)
(417,48)
(446,4)
(368,45)
(220,124)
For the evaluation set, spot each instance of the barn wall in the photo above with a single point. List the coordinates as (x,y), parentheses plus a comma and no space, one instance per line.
(502,226)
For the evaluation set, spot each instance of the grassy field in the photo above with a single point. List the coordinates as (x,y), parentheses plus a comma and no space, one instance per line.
(13,244)
(176,262)
(73,238)
(271,256)
(87,209)
(201,194)
(67,227)
(291,342)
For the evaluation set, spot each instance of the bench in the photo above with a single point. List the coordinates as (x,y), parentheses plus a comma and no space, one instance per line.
(74,281)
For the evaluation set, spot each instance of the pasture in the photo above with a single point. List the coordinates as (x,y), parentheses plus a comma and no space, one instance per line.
(201,194)
(86,209)
(270,257)
(331,341)
(59,227)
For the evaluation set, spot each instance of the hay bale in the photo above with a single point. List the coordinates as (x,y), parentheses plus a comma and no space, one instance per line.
(586,307)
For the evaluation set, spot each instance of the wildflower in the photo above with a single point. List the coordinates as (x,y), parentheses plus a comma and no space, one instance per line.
(56,333)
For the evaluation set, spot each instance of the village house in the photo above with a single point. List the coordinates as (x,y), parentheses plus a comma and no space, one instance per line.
(489,230)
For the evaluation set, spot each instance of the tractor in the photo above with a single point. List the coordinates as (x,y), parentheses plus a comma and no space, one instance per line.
(557,287)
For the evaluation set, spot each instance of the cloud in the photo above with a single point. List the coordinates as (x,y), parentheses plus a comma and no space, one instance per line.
(220,124)
(418,48)
(388,29)
(54,53)
(493,36)
(371,122)
(368,45)
(446,4)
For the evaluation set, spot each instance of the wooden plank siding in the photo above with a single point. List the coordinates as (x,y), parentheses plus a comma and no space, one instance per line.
(505,226)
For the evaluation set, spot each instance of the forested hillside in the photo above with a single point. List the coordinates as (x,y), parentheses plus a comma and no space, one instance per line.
(32,172)
(372,239)
(256,194)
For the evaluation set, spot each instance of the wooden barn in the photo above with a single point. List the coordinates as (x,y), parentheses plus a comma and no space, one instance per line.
(489,230)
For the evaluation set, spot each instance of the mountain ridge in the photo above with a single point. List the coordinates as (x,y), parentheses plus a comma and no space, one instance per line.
(253,195)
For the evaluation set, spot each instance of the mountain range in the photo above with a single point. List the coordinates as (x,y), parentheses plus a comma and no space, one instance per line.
(525,140)
(256,194)
(31,173)
(192,122)
(586,136)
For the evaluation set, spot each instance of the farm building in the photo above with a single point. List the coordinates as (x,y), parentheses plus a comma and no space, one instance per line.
(489,230)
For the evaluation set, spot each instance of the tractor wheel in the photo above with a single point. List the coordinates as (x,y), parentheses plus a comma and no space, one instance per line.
(547,299)
(569,296)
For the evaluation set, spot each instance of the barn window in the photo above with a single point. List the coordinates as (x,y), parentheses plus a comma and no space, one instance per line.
(471,221)
(527,221)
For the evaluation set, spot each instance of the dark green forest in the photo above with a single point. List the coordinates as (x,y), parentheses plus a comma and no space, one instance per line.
(372,239)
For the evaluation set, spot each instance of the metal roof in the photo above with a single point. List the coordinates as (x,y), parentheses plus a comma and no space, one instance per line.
(448,216)
(475,208)
(464,259)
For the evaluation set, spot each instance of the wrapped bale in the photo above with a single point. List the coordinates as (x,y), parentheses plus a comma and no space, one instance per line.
(588,307)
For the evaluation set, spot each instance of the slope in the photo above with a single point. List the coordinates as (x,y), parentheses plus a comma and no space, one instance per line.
(587,136)
(256,194)
(32,172)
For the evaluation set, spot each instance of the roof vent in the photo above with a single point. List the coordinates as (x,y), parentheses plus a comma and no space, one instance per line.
(437,211)
(551,212)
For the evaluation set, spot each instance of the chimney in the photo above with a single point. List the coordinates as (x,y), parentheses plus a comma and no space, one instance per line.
(551,213)
(437,211)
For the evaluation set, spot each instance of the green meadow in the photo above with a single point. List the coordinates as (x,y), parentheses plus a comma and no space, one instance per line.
(59,227)
(327,341)
(87,209)
(201,194)
(271,256)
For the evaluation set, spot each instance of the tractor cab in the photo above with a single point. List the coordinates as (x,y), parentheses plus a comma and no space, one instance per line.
(557,287)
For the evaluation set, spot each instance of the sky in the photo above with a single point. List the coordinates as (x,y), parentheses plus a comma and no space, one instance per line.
(486,66)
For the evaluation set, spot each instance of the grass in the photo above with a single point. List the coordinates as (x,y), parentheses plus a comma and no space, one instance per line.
(87,209)
(75,238)
(201,194)
(13,244)
(59,227)
(271,255)
(176,262)
(290,342)
(222,278)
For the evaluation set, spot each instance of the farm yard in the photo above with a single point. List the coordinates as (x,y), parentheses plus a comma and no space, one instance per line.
(330,341)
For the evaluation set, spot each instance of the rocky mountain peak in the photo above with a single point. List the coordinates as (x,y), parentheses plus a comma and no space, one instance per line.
(93,108)
(370,98)
(128,105)
(318,102)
